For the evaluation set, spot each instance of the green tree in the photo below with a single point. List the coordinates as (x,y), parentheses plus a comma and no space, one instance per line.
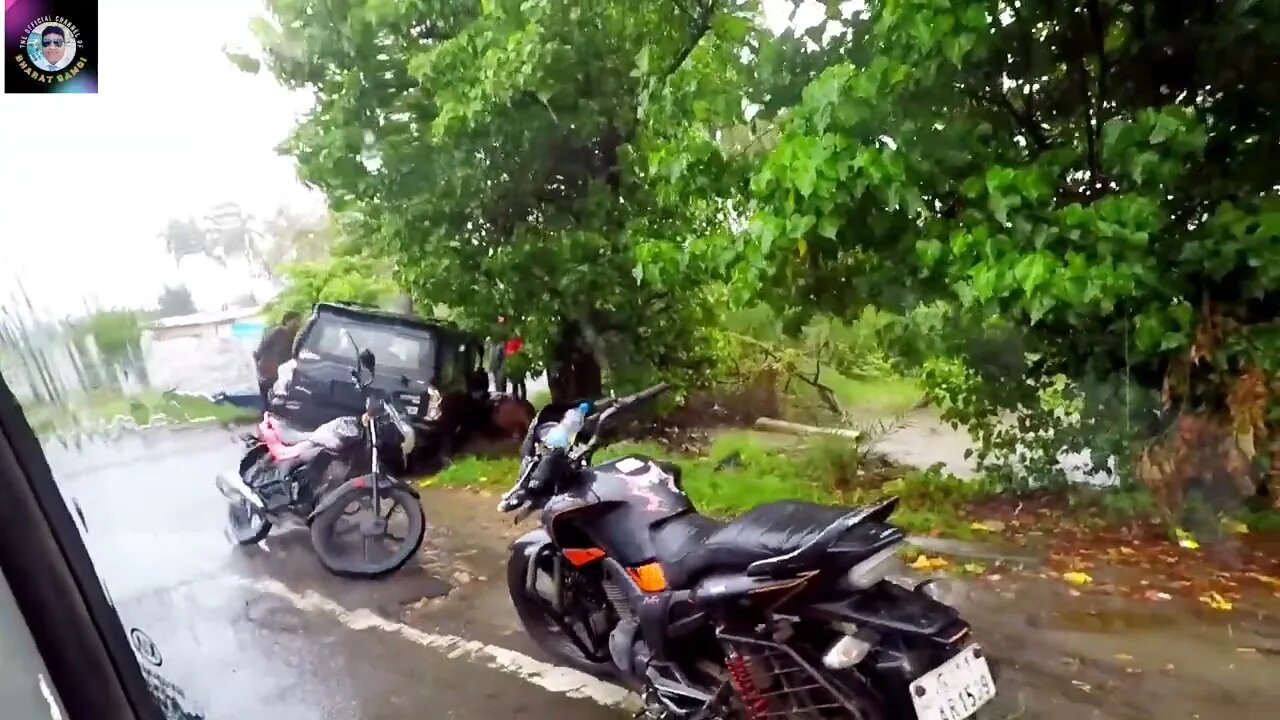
(225,235)
(175,301)
(1091,186)
(297,237)
(117,335)
(354,279)
(499,152)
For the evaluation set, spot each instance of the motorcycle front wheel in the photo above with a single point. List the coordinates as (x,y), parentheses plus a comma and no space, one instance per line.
(247,524)
(355,539)
(539,623)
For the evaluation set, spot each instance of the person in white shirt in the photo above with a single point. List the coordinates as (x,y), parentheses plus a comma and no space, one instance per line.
(53,49)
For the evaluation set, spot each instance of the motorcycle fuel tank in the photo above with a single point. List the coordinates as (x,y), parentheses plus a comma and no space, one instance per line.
(615,504)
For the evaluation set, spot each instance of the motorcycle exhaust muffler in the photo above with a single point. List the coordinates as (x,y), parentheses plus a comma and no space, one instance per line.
(234,489)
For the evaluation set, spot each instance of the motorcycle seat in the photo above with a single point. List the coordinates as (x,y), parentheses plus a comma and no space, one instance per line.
(691,546)
(288,434)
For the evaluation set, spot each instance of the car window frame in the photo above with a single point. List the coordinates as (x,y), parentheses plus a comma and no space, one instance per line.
(80,637)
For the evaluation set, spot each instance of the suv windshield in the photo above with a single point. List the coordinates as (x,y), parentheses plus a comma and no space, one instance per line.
(395,348)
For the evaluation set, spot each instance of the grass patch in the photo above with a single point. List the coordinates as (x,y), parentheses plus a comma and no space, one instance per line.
(860,396)
(890,395)
(540,399)
(477,472)
(739,471)
(143,407)
(97,408)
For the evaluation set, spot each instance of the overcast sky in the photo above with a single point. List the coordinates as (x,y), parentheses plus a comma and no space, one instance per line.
(90,180)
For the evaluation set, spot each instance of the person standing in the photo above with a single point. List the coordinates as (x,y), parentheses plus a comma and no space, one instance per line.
(275,349)
(516,366)
(497,357)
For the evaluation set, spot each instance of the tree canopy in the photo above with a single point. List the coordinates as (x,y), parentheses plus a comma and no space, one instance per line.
(1098,176)
(503,154)
(1083,191)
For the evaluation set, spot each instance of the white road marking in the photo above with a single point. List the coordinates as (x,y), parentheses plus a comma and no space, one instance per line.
(562,680)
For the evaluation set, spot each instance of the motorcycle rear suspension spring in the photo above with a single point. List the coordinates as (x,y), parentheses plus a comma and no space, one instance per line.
(773,680)
(753,702)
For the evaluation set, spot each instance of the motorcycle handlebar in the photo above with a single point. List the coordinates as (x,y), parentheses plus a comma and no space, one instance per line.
(600,412)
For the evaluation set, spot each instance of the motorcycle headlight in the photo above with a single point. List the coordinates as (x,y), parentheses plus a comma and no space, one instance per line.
(432,410)
(407,435)
(406,445)
(874,569)
(284,376)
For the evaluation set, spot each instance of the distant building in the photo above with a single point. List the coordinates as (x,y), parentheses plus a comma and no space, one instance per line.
(205,352)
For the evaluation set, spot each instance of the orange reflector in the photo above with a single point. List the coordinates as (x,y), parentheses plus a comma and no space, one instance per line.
(581,556)
(649,578)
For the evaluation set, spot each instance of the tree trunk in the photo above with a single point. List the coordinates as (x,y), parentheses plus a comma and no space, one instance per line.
(574,373)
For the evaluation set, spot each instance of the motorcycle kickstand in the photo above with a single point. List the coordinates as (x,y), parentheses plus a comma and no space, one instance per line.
(656,709)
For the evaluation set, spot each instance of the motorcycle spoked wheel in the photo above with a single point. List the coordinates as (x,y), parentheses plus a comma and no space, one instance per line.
(353,519)
(247,524)
(536,618)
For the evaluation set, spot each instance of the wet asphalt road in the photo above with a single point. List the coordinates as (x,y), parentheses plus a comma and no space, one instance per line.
(265,632)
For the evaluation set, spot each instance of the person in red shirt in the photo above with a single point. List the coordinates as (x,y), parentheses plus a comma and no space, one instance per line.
(517,369)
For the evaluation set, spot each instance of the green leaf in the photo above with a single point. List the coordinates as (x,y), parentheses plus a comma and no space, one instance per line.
(1030,272)
(1165,127)
(829,226)
(999,208)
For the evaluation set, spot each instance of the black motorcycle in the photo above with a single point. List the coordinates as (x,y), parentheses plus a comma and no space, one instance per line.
(364,522)
(784,612)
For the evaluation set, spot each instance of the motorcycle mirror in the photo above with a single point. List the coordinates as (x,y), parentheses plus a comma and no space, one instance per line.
(367,360)
(347,334)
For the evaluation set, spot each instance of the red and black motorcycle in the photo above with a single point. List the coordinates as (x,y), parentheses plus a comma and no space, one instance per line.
(337,480)
(784,612)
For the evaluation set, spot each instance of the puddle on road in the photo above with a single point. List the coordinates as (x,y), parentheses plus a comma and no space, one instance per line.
(1105,621)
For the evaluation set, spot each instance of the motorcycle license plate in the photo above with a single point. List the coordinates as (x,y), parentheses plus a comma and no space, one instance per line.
(955,689)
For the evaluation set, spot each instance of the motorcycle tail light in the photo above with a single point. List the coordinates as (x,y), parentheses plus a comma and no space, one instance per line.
(845,653)
(872,570)
(939,589)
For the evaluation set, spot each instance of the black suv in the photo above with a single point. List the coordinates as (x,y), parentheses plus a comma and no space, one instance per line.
(421,364)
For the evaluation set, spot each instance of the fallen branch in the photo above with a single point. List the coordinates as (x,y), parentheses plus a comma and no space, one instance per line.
(798,429)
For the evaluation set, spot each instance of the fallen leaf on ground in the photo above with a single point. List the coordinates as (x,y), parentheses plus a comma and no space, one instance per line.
(1216,601)
(1077,578)
(1157,596)
(974,568)
(1235,527)
(1186,539)
(988,526)
(1123,657)
(1265,578)
(924,562)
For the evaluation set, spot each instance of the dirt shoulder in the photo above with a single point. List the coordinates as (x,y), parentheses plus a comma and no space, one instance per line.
(1062,654)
